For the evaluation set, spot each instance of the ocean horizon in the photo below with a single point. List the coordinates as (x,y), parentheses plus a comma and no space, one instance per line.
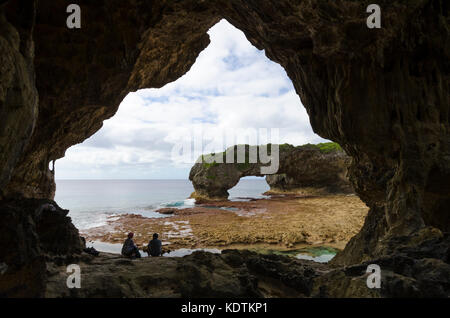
(92,201)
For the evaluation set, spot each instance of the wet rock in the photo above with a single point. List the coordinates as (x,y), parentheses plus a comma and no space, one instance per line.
(167,210)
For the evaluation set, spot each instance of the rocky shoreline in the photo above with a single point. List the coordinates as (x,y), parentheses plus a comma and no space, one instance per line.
(230,274)
(412,266)
(413,269)
(279,222)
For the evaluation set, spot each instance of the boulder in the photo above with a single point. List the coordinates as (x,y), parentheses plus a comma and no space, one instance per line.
(167,210)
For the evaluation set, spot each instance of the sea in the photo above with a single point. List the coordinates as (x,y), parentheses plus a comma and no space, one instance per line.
(91,202)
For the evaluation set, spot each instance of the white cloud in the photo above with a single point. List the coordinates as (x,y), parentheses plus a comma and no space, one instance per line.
(231,86)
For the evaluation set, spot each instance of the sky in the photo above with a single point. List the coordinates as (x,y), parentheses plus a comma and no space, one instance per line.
(232,91)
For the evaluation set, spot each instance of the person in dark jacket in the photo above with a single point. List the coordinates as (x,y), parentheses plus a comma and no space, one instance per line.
(129,249)
(155,246)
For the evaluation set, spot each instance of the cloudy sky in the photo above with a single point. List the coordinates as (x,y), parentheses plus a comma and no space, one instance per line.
(231,87)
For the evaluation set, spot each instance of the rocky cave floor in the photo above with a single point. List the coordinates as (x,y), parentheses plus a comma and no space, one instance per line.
(420,271)
(413,266)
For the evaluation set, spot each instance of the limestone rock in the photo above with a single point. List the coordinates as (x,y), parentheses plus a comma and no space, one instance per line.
(308,169)
(230,274)
(18,94)
(238,273)
(382,94)
(166,210)
(31,230)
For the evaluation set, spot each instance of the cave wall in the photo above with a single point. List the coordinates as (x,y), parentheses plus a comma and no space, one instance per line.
(82,75)
(382,94)
(18,94)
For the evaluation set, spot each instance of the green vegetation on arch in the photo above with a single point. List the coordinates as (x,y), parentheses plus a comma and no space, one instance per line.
(327,147)
(208,162)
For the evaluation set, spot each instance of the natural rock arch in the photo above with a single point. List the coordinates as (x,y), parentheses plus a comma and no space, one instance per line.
(382,94)
(307,169)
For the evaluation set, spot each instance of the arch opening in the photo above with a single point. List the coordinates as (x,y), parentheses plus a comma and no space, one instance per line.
(130,165)
(231,87)
(249,188)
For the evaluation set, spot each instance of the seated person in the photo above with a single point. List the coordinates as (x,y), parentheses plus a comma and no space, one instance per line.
(155,246)
(129,249)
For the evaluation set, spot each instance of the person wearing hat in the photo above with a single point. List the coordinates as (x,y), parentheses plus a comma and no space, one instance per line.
(129,249)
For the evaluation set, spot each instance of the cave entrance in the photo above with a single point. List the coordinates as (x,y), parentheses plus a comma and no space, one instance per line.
(231,85)
(128,165)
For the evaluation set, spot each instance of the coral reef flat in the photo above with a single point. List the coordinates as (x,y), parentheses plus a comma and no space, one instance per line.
(280,222)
